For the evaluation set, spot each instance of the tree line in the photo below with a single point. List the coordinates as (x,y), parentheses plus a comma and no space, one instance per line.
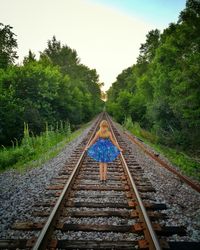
(54,88)
(162,90)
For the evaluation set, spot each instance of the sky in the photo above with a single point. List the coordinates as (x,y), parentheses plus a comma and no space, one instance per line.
(105,33)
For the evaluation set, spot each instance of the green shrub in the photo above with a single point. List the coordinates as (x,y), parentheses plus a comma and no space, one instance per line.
(33,147)
(188,165)
(138,131)
(128,123)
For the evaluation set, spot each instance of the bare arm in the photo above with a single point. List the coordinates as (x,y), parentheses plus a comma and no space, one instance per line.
(93,140)
(114,142)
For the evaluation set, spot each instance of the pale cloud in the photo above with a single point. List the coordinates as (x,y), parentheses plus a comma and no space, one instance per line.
(104,38)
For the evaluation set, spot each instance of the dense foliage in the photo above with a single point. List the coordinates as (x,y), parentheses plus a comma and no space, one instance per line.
(57,87)
(162,90)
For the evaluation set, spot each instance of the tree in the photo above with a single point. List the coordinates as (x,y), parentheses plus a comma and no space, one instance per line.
(63,56)
(148,49)
(28,94)
(30,58)
(57,87)
(164,83)
(8,45)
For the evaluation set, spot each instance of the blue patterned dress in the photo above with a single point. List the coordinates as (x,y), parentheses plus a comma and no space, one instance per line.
(103,150)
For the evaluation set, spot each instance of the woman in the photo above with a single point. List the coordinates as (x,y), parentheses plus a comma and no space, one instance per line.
(103,149)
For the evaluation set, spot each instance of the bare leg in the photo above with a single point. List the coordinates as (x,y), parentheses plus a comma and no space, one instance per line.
(101,171)
(105,171)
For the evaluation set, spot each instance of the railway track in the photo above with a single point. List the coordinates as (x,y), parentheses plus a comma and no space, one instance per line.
(79,212)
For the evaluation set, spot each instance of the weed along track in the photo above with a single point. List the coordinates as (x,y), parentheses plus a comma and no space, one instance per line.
(79,212)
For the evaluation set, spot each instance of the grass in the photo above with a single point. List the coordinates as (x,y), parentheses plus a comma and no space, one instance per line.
(35,150)
(188,165)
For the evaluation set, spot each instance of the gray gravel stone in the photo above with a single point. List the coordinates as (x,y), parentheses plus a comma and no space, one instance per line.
(80,235)
(99,221)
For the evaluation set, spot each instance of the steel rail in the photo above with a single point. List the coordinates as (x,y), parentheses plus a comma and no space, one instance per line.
(43,238)
(164,164)
(154,242)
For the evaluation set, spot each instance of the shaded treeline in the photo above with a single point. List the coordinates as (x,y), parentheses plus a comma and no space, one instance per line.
(162,90)
(54,88)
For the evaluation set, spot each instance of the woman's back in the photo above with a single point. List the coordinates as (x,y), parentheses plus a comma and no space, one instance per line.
(104,134)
